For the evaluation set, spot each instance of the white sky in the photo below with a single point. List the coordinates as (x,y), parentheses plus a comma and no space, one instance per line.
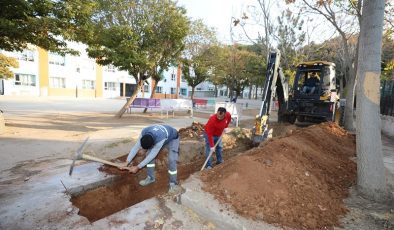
(219,13)
(216,13)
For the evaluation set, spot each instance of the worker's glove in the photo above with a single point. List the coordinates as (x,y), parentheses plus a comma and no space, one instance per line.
(226,130)
(212,149)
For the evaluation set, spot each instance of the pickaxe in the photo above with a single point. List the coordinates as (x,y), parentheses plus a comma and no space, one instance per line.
(80,156)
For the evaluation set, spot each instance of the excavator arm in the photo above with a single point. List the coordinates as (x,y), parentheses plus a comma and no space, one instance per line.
(275,85)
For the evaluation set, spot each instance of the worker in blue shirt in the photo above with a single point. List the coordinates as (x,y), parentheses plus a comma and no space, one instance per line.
(151,141)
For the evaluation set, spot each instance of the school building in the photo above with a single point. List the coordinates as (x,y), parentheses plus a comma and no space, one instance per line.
(44,73)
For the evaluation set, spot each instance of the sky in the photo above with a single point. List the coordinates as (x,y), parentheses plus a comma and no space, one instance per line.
(220,13)
(216,13)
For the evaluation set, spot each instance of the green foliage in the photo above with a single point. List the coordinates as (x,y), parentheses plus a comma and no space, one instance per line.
(388,56)
(290,38)
(141,37)
(44,23)
(238,68)
(198,57)
(5,64)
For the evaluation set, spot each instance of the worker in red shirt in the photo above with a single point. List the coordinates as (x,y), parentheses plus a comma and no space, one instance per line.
(214,128)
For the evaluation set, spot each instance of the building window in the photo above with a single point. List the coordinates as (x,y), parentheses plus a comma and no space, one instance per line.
(87,84)
(146,88)
(173,77)
(110,86)
(198,89)
(109,68)
(57,82)
(25,79)
(173,90)
(56,59)
(183,91)
(159,89)
(183,79)
(25,55)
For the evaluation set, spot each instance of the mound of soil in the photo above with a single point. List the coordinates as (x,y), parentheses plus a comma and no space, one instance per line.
(296,181)
(193,131)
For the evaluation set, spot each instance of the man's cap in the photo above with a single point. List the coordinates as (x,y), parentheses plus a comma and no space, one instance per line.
(147,141)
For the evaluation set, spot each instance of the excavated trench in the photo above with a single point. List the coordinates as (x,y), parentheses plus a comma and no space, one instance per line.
(125,191)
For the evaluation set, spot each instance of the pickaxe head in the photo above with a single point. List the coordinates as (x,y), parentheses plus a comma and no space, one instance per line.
(78,155)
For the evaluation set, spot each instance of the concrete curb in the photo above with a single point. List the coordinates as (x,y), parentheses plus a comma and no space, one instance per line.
(205,205)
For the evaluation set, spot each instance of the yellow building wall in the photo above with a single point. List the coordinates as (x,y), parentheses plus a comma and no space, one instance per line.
(67,92)
(99,81)
(43,71)
(61,92)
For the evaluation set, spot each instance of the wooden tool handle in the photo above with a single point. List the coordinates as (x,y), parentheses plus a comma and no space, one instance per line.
(210,153)
(92,158)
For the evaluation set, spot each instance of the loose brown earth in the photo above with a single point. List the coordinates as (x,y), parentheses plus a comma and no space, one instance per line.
(296,181)
(126,191)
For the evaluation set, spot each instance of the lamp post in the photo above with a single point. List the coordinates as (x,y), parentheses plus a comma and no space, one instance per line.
(78,71)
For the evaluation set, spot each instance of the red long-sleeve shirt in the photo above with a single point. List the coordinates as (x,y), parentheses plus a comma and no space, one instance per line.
(215,127)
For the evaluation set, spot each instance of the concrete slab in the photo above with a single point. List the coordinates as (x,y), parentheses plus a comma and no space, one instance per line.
(205,205)
(42,202)
(154,213)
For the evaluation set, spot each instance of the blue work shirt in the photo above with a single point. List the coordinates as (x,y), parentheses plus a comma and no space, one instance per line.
(162,135)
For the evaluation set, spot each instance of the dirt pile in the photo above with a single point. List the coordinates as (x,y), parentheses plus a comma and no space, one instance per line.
(193,131)
(297,181)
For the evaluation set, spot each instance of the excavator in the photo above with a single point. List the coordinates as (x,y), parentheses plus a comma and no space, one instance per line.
(312,97)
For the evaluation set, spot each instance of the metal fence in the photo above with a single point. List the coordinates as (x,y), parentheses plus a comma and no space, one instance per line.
(387,98)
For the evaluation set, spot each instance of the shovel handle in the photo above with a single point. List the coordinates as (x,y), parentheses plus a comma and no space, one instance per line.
(211,152)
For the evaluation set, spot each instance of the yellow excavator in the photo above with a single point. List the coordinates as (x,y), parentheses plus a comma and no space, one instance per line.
(313,95)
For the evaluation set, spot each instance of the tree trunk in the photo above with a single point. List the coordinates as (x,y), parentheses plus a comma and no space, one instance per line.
(216,91)
(350,76)
(153,92)
(250,91)
(131,99)
(192,96)
(349,119)
(370,168)
(257,90)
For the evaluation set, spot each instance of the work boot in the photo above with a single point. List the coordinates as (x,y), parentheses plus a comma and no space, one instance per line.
(148,180)
(219,162)
(174,189)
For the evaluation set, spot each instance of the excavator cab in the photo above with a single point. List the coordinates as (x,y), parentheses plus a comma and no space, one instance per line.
(314,92)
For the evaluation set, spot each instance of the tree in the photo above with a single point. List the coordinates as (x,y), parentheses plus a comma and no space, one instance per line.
(257,66)
(139,37)
(43,23)
(341,15)
(388,56)
(290,37)
(196,62)
(5,64)
(196,70)
(370,170)
(237,66)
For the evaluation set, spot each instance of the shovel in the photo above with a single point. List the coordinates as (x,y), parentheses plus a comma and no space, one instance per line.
(210,153)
